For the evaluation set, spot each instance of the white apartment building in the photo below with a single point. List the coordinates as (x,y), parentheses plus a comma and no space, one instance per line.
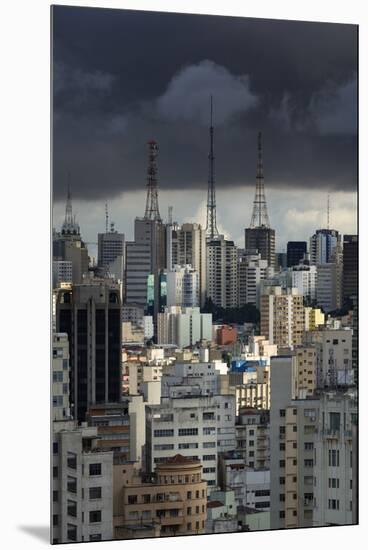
(183,327)
(304,278)
(183,288)
(194,426)
(335,468)
(204,376)
(251,271)
(60,377)
(251,487)
(82,507)
(186,245)
(222,280)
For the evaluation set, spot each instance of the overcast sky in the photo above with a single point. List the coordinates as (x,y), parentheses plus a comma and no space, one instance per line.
(122,78)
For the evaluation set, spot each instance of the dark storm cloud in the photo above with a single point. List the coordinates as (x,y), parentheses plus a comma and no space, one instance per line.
(124,77)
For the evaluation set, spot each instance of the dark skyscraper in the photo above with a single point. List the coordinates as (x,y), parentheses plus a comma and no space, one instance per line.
(350,269)
(259,235)
(90,314)
(295,252)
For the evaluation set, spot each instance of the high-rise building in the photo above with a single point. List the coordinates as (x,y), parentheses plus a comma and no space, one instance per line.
(197,426)
(350,269)
(251,271)
(60,377)
(62,272)
(90,314)
(82,485)
(187,246)
(335,468)
(304,278)
(295,252)
(292,428)
(328,286)
(222,272)
(111,252)
(259,235)
(282,316)
(183,327)
(146,255)
(182,286)
(322,245)
(68,245)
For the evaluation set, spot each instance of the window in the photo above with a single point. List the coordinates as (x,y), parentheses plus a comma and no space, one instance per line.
(251,453)
(295,428)
(189,526)
(282,463)
(282,514)
(295,461)
(282,497)
(165,447)
(282,429)
(55,496)
(95,492)
(95,516)
(208,445)
(209,457)
(72,508)
(308,463)
(55,471)
(55,448)
(333,457)
(209,431)
(333,504)
(308,446)
(71,460)
(187,446)
(282,412)
(333,483)
(334,421)
(188,431)
(189,511)
(72,484)
(189,495)
(133,499)
(95,537)
(282,481)
(163,433)
(197,509)
(95,469)
(55,520)
(72,531)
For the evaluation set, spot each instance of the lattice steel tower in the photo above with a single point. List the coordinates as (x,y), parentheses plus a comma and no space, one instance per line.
(152,211)
(260,215)
(211,227)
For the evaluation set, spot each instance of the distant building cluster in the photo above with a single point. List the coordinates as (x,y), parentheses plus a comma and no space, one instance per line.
(170,410)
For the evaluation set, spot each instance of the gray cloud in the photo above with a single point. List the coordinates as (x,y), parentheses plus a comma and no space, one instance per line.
(117,84)
(187,95)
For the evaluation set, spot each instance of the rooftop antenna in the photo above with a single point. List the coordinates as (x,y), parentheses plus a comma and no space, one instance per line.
(211,227)
(106,219)
(152,211)
(328,210)
(260,214)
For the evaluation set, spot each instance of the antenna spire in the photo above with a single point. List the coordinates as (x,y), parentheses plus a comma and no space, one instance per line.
(328,210)
(260,214)
(152,211)
(106,219)
(70,225)
(211,227)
